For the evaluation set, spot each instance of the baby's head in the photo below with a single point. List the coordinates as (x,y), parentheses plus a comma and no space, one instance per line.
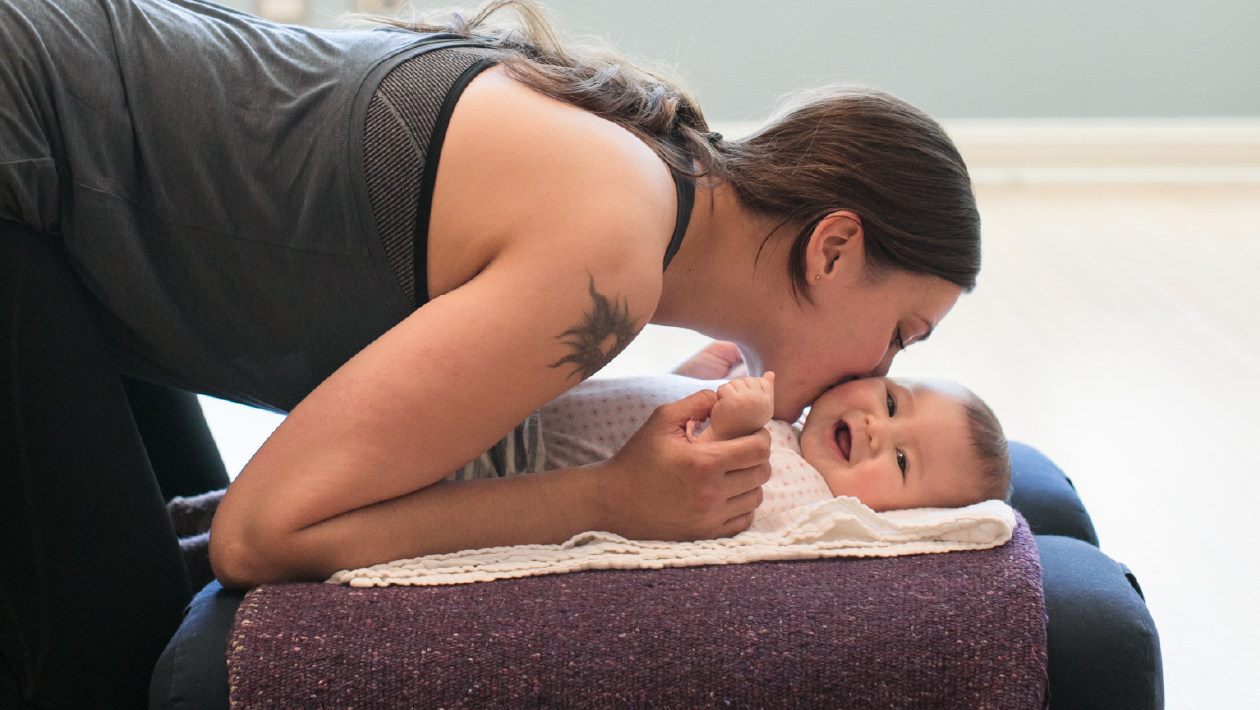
(898,443)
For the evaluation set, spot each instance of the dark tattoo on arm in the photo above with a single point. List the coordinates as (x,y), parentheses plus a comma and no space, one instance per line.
(604,332)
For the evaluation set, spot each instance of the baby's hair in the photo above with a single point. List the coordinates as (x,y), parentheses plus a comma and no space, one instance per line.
(989,444)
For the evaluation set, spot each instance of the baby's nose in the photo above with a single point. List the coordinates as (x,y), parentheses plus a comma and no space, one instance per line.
(874,428)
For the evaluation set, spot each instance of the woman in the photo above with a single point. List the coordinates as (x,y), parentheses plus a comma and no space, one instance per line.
(202,199)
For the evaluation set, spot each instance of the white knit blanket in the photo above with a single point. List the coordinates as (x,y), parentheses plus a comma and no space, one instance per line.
(836,527)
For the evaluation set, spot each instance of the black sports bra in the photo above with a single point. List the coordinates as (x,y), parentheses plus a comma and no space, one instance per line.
(403,135)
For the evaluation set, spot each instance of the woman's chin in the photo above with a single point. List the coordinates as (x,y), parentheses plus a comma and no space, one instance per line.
(787,413)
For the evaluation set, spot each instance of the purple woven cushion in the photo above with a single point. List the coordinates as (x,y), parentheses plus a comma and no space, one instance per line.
(963,629)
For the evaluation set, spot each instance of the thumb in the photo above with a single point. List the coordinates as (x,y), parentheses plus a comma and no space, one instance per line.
(696,406)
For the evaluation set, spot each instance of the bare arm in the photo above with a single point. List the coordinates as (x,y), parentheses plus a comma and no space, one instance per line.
(550,275)
(352,477)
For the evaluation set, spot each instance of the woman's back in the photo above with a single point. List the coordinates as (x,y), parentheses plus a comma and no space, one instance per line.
(195,158)
(207,159)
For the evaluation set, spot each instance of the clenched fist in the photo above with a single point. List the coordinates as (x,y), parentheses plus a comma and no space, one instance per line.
(745,404)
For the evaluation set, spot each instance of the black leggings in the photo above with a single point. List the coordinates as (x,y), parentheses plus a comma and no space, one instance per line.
(92,584)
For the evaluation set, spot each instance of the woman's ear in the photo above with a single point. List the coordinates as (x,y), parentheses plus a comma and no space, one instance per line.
(836,248)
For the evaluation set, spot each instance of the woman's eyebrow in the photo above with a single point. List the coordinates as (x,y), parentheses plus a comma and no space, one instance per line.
(931,327)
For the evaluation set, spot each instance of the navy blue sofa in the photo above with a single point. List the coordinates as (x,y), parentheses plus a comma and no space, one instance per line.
(1103,649)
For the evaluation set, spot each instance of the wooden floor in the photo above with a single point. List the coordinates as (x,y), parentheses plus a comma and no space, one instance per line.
(1117,328)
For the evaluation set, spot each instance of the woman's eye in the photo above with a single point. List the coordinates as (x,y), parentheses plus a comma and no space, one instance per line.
(897,341)
(892,405)
(901,463)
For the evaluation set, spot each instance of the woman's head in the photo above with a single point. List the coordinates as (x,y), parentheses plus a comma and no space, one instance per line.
(854,325)
(878,223)
(859,150)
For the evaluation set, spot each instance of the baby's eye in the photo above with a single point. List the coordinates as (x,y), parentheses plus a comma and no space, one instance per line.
(892,405)
(901,463)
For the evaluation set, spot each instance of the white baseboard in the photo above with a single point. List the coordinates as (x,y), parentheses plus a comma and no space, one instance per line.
(1101,151)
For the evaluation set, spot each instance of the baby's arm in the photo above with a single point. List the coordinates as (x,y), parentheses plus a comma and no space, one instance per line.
(745,404)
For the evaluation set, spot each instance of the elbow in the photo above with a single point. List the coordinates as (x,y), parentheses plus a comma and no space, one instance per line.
(236,564)
(252,545)
(243,556)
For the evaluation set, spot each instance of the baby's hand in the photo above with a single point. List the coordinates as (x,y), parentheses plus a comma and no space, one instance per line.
(745,404)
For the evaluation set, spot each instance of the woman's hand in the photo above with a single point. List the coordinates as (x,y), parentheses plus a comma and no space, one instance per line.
(719,360)
(661,486)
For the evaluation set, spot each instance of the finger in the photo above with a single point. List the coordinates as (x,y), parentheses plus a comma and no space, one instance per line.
(745,502)
(738,524)
(769,376)
(677,414)
(743,452)
(737,483)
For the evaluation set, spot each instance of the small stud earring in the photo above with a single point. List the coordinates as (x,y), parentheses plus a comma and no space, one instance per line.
(818,277)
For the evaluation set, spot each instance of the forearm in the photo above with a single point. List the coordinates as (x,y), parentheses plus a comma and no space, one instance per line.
(541,508)
(659,486)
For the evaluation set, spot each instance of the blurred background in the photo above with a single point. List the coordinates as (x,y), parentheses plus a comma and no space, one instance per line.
(1115,148)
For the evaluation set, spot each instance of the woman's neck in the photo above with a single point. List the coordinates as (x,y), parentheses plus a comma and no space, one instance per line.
(718,284)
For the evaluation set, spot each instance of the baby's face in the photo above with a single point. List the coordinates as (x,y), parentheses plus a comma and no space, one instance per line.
(894,443)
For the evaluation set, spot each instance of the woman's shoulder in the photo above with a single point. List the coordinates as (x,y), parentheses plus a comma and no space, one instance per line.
(542,137)
(523,172)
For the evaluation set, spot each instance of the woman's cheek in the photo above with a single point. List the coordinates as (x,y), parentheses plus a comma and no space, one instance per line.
(879,359)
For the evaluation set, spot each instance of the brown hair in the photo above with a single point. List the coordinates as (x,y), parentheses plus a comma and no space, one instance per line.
(989,444)
(830,149)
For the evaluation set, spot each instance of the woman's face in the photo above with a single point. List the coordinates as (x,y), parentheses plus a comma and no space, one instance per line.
(854,328)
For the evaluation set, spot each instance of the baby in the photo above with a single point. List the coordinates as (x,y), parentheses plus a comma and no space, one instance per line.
(890,443)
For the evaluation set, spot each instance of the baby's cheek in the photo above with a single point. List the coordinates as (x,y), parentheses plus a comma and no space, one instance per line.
(810,452)
(835,483)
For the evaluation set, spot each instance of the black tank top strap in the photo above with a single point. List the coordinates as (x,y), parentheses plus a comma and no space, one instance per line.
(686,190)
(424,207)
(403,134)
(404,131)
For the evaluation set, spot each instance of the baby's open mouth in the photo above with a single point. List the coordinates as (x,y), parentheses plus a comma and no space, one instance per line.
(844,440)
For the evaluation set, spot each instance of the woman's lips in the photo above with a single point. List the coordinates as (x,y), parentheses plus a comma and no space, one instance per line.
(844,440)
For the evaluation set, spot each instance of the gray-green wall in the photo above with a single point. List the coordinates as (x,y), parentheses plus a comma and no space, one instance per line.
(954,58)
